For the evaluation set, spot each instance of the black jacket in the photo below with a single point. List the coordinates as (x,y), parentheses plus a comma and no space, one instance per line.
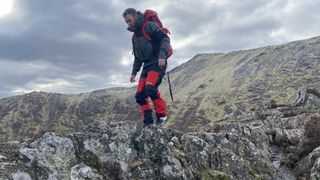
(146,52)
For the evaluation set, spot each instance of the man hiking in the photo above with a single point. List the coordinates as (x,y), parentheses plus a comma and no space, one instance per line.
(151,47)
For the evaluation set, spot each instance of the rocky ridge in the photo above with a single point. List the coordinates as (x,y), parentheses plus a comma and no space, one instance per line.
(279,142)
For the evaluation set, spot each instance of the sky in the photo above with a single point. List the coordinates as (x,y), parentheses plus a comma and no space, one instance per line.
(77,46)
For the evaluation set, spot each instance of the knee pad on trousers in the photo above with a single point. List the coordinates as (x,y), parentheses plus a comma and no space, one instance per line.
(151,91)
(140,98)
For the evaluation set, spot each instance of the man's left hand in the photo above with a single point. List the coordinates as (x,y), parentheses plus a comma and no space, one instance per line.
(162,63)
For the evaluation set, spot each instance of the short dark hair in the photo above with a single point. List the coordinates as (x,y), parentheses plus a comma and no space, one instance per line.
(130,11)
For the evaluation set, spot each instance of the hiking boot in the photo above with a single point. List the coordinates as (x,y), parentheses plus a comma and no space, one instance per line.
(148,119)
(161,121)
(147,125)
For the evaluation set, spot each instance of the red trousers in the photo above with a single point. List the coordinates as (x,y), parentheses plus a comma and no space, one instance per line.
(149,82)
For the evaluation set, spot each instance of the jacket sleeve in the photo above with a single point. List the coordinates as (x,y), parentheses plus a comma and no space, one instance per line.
(137,63)
(158,35)
(136,66)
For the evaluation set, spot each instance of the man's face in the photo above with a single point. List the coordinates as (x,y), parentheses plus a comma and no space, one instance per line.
(130,20)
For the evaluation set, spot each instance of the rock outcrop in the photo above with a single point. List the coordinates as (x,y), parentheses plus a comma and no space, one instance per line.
(274,142)
(122,151)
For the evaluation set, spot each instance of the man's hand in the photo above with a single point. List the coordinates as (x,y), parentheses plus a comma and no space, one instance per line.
(132,78)
(162,63)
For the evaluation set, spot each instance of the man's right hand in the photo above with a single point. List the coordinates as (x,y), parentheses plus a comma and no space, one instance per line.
(132,78)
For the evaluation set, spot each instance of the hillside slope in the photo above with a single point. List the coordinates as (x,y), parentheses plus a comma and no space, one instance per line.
(208,89)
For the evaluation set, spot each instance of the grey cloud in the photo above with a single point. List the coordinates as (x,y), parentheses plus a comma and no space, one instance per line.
(83,42)
(75,37)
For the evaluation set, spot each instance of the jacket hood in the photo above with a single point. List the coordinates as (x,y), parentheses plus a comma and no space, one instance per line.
(138,24)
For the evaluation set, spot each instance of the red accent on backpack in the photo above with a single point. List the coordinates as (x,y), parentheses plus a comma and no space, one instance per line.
(170,52)
(150,15)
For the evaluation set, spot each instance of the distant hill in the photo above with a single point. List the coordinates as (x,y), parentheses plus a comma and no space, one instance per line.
(208,89)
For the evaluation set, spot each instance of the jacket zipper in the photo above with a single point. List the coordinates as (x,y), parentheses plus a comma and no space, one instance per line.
(141,49)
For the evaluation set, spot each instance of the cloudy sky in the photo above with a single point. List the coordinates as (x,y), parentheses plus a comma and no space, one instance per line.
(74,46)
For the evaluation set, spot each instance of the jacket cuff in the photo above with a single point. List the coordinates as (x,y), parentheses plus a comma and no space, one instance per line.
(162,55)
(134,72)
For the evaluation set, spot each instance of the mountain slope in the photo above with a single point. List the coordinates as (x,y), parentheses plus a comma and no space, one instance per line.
(228,86)
(25,115)
(208,89)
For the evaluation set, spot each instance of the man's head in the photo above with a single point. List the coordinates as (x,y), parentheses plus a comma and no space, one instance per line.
(130,15)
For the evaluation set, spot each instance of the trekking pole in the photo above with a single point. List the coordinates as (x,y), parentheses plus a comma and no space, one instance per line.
(170,90)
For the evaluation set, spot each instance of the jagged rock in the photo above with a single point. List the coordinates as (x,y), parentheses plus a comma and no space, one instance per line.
(21,176)
(285,137)
(108,149)
(315,170)
(277,136)
(82,172)
(314,155)
(301,96)
(312,164)
(121,151)
(55,155)
(293,135)
(312,133)
(2,158)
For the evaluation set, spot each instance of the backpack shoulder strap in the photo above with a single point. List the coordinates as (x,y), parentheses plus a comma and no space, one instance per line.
(145,34)
(133,38)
